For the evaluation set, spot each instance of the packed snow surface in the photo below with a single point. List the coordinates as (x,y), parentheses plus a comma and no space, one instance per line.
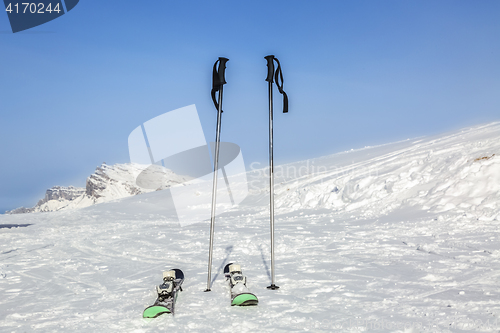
(396,238)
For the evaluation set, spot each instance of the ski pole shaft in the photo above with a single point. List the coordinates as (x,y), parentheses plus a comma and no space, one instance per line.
(214,190)
(271,179)
(218,82)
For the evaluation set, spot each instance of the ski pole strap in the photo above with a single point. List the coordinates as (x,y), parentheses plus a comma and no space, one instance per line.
(278,75)
(218,78)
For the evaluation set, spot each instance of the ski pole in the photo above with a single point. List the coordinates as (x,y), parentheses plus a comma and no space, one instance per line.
(272,74)
(217,82)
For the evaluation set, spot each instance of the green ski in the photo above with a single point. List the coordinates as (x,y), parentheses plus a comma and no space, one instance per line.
(240,294)
(167,294)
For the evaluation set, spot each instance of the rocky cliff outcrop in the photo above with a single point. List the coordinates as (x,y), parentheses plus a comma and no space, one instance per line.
(107,183)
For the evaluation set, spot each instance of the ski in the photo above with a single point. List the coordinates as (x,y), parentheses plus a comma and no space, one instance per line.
(167,294)
(240,294)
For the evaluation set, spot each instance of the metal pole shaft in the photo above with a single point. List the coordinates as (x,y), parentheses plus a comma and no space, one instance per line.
(271,179)
(214,190)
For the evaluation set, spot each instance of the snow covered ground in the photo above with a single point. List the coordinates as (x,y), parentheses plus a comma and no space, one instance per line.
(402,237)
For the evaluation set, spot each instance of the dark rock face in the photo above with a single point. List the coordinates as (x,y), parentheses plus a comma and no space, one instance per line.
(97,183)
(61,192)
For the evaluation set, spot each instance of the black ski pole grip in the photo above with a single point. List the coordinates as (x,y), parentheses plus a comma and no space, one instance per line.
(222,70)
(270,68)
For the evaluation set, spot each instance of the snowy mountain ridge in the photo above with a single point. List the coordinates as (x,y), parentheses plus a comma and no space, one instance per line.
(109,182)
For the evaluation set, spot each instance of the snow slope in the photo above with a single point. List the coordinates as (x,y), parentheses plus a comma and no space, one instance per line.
(459,172)
(396,238)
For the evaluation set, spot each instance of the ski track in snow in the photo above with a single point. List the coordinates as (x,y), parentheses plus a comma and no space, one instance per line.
(378,239)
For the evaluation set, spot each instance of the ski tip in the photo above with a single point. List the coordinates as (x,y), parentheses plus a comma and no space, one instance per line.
(245,300)
(273,287)
(226,268)
(178,273)
(155,311)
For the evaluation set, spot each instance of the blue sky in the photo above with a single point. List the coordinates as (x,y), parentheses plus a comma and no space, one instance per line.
(357,73)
